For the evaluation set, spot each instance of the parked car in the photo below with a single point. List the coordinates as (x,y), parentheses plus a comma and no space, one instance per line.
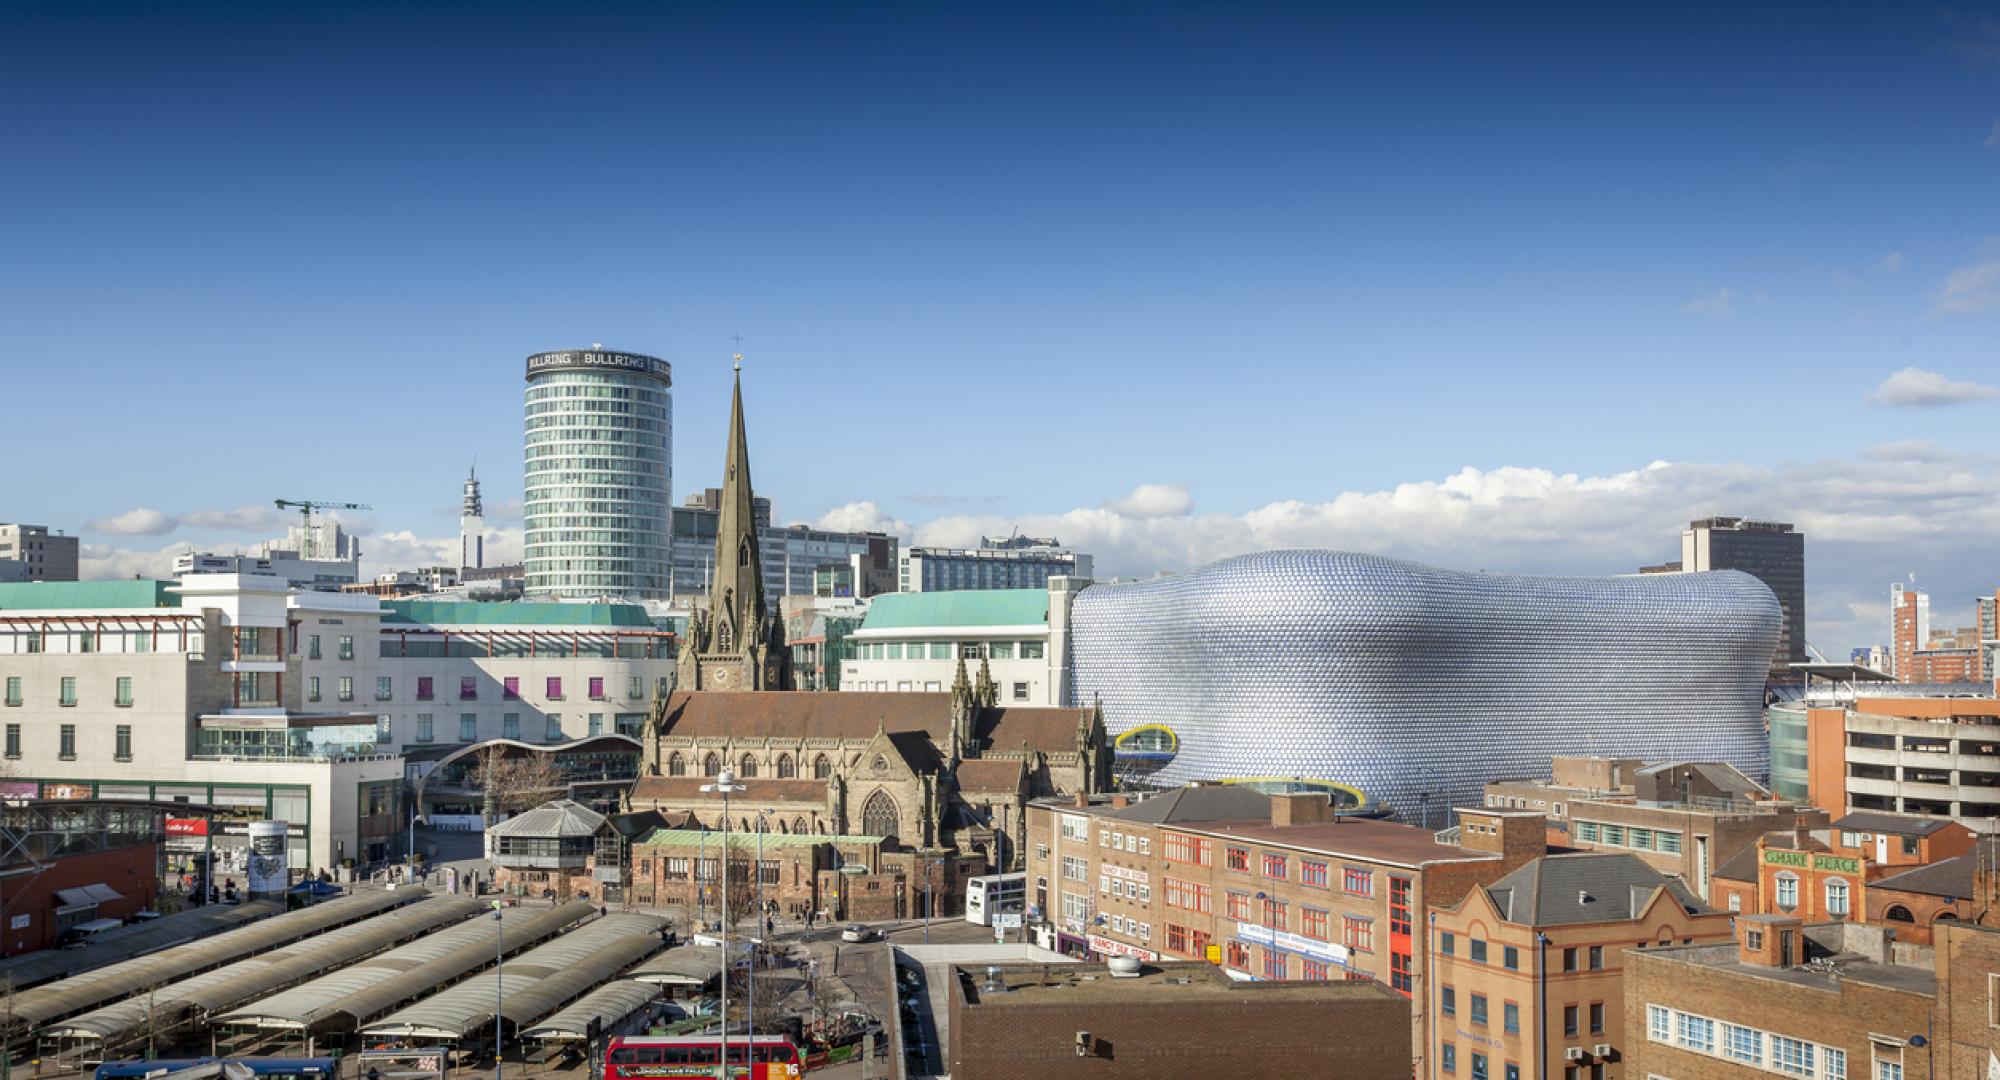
(855,932)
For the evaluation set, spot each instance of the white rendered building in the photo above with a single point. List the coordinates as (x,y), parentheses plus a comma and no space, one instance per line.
(914,641)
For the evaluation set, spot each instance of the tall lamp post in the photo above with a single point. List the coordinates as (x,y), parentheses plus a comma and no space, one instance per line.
(725,782)
(757,873)
(499,992)
(1264,916)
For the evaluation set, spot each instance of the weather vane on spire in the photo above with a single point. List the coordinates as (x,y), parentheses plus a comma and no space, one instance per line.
(738,339)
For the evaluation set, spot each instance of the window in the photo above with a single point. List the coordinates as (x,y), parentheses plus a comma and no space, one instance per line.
(1479,1009)
(1237,859)
(1571,1018)
(1479,1067)
(1909,845)
(1447,943)
(1356,881)
(510,725)
(1075,869)
(13,740)
(1836,1063)
(553,731)
(1399,906)
(122,747)
(423,688)
(14,690)
(1794,1056)
(424,733)
(1836,897)
(510,688)
(1239,955)
(312,688)
(1885,1068)
(66,693)
(1569,959)
(347,688)
(1510,1018)
(1402,977)
(1189,896)
(383,688)
(1510,958)
(1788,891)
(121,694)
(1275,966)
(822,767)
(1448,1057)
(1743,1044)
(1478,950)
(468,688)
(66,744)
(1597,958)
(1312,872)
(1238,906)
(555,688)
(468,727)
(596,688)
(1275,866)
(1597,1018)
(1657,1025)
(1357,934)
(347,646)
(1192,850)
(1695,1032)
(312,647)
(595,726)
(1275,914)
(1448,1001)
(1312,923)
(635,688)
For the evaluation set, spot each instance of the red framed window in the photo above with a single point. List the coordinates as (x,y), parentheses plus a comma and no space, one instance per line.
(1199,941)
(1399,906)
(1177,939)
(1312,872)
(1356,881)
(423,688)
(1238,955)
(1192,850)
(1276,914)
(1357,934)
(1314,970)
(1399,973)
(1312,923)
(1276,866)
(1189,896)
(510,687)
(1238,859)
(1276,965)
(1239,906)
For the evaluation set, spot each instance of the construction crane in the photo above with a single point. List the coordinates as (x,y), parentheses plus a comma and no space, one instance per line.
(305,507)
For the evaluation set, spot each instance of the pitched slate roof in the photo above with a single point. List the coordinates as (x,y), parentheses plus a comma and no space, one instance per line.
(1724,777)
(1953,877)
(1208,802)
(562,817)
(989,775)
(1593,887)
(1893,824)
(1741,866)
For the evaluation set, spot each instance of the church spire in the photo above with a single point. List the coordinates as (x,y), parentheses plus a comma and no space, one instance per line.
(736,593)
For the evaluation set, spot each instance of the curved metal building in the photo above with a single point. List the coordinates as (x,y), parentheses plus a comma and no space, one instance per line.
(1403,680)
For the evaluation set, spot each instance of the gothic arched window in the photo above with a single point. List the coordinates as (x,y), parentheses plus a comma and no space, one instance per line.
(879,816)
(799,825)
(822,768)
(785,769)
(723,636)
(677,765)
(747,766)
(711,765)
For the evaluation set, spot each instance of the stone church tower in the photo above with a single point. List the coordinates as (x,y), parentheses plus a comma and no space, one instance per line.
(736,642)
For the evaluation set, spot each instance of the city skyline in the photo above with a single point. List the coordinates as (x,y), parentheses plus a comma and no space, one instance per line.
(1324,289)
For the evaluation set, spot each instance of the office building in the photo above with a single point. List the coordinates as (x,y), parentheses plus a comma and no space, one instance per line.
(1910,629)
(43,555)
(1006,565)
(1529,969)
(1894,747)
(1814,1002)
(287,564)
(1270,887)
(913,642)
(1683,819)
(790,556)
(599,474)
(1925,655)
(1402,680)
(1021,1021)
(1770,551)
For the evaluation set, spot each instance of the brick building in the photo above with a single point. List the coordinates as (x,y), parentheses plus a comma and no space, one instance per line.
(1553,931)
(1963,888)
(1681,818)
(1826,875)
(1827,1002)
(65,865)
(1291,893)
(1169,1019)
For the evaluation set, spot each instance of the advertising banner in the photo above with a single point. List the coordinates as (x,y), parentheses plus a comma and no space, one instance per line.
(267,857)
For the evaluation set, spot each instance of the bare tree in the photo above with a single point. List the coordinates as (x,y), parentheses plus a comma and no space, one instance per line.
(510,783)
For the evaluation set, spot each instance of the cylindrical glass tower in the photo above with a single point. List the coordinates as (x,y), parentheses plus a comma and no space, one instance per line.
(600,471)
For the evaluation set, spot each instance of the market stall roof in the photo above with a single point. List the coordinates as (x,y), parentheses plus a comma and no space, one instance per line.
(609,1005)
(530,986)
(355,995)
(126,942)
(65,998)
(689,965)
(239,982)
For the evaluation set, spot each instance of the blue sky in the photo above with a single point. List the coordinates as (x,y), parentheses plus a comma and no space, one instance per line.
(1371,280)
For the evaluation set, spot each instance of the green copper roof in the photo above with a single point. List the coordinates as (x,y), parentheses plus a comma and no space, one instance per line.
(95,595)
(745,841)
(968,607)
(473,613)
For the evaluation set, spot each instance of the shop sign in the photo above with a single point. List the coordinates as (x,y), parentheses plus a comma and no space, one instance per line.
(1118,948)
(187,826)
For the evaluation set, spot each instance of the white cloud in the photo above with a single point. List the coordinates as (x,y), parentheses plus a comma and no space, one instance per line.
(258,519)
(405,550)
(1154,500)
(1720,304)
(98,562)
(1914,387)
(1891,263)
(141,521)
(1970,290)
(863,516)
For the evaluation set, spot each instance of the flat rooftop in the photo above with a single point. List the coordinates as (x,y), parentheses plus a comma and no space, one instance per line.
(1034,985)
(1350,837)
(1825,972)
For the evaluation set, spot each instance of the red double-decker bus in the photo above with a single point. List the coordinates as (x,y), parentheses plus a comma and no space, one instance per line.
(752,1057)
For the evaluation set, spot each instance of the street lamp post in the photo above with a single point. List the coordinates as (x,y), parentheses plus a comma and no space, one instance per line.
(1264,914)
(499,992)
(725,782)
(757,873)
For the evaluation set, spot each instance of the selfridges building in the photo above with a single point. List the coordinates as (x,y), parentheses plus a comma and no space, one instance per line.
(1411,686)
